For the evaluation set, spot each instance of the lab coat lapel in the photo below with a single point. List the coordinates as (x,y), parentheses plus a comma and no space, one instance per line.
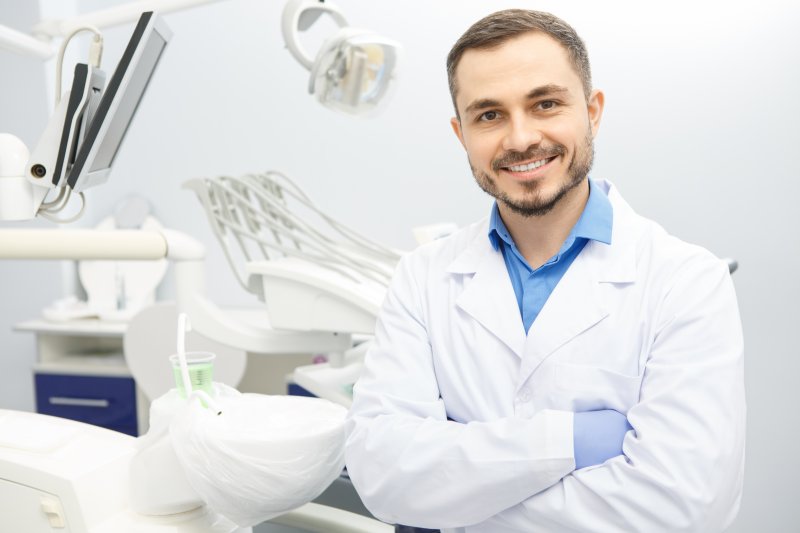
(573,307)
(489,296)
(576,304)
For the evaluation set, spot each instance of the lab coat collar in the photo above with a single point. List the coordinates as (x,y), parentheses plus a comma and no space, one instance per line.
(573,307)
(489,296)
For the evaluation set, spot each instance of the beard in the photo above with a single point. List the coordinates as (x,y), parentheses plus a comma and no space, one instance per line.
(534,202)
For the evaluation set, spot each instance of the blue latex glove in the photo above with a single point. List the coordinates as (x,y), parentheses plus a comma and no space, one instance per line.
(598,436)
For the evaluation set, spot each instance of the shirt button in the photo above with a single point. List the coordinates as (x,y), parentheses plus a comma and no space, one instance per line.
(525,396)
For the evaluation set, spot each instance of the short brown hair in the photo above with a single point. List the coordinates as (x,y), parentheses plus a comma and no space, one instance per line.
(499,27)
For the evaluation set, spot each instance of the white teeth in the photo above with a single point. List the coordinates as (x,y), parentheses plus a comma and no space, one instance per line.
(529,166)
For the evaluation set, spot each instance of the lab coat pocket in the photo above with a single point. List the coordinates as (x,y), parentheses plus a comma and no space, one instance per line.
(591,388)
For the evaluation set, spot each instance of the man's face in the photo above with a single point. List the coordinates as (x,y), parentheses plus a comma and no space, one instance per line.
(525,122)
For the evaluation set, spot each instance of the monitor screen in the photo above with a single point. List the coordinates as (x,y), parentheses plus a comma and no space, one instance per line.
(119,103)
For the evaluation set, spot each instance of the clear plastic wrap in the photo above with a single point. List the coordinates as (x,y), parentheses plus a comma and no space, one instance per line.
(263,456)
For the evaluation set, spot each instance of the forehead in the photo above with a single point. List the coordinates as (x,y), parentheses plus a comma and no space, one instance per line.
(522,63)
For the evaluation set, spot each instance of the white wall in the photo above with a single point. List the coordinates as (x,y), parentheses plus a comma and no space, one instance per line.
(700,133)
(25,286)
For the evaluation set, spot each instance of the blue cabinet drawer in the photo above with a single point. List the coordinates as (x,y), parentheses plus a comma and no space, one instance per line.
(109,402)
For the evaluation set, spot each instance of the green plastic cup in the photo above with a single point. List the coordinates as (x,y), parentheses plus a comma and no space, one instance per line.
(201,372)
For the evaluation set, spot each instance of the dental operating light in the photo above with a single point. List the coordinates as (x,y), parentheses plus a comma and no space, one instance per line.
(353,70)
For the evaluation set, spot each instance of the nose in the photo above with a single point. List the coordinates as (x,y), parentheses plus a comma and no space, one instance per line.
(522,132)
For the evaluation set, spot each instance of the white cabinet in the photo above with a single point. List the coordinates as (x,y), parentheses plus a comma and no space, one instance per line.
(81,374)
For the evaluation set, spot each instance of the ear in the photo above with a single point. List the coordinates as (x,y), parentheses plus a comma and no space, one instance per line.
(456,125)
(595,107)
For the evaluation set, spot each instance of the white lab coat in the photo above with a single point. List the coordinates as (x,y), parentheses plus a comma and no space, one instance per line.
(647,325)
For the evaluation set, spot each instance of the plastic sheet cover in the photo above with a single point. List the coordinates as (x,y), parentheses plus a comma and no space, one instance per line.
(263,456)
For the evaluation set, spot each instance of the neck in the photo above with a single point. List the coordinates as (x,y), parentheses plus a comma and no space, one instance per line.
(539,238)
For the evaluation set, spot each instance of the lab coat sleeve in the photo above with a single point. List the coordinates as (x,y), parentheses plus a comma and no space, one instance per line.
(411,465)
(683,466)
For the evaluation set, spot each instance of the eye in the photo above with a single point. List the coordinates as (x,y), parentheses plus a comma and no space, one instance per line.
(548,105)
(488,116)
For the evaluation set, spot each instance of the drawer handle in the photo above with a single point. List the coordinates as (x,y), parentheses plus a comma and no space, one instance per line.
(80,402)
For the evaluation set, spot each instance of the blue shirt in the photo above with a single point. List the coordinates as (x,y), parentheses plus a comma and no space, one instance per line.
(533,287)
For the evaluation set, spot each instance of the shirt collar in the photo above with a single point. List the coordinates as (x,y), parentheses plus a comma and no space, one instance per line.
(497,229)
(595,223)
(597,219)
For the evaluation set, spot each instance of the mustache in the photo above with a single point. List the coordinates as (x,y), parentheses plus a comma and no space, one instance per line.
(534,152)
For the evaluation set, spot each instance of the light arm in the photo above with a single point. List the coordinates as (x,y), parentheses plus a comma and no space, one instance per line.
(112,16)
(22,43)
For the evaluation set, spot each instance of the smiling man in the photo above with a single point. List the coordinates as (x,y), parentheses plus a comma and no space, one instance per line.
(563,364)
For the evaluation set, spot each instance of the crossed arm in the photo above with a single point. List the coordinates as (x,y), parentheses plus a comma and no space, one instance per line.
(681,470)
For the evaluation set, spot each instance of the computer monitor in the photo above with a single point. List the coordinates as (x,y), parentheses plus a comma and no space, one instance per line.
(119,102)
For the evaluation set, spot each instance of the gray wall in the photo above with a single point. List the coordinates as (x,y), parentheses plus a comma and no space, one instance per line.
(700,133)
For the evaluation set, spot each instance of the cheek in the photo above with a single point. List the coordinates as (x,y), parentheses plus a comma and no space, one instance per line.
(481,149)
(568,133)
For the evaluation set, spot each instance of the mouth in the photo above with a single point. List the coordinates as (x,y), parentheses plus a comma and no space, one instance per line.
(529,169)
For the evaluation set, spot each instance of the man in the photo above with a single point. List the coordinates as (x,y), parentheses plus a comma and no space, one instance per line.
(508,356)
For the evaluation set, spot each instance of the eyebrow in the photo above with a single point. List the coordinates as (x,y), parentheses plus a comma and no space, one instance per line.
(538,92)
(481,104)
(546,90)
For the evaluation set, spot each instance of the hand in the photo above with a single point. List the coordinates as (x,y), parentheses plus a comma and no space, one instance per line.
(598,436)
